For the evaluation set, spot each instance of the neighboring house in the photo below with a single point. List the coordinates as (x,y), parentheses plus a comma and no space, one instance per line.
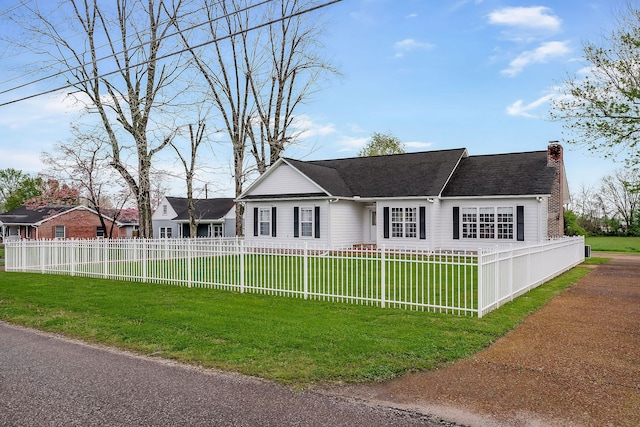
(50,222)
(214,218)
(432,200)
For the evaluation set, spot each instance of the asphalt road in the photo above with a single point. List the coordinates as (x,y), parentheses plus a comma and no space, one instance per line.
(46,380)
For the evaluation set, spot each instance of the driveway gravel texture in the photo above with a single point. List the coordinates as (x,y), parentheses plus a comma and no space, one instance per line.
(574,362)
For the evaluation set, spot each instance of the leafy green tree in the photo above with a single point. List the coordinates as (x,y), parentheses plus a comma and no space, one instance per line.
(571,226)
(10,181)
(28,188)
(382,144)
(602,109)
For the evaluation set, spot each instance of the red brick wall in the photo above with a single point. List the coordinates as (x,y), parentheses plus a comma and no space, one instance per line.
(555,219)
(79,224)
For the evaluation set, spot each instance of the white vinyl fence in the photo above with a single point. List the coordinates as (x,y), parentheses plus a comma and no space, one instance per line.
(444,281)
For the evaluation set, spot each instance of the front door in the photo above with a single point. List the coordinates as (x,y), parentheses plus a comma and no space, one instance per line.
(373,219)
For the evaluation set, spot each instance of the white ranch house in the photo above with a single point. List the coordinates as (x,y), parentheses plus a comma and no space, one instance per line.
(428,200)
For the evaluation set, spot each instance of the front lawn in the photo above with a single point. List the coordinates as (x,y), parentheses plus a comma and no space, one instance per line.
(614,244)
(288,340)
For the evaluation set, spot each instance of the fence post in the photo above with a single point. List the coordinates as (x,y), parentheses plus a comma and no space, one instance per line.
(383,278)
(105,257)
(240,244)
(189,267)
(480,261)
(142,256)
(42,257)
(511,280)
(306,271)
(71,247)
(23,251)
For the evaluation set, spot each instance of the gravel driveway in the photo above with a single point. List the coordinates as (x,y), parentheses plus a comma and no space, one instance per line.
(574,362)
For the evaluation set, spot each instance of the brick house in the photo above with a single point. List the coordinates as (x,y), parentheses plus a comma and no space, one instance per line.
(443,199)
(71,222)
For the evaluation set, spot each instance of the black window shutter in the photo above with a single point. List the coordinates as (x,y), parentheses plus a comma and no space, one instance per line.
(255,221)
(296,222)
(423,222)
(385,218)
(273,221)
(456,222)
(317,221)
(520,223)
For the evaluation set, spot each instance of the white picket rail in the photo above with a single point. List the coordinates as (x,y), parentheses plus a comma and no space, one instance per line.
(504,273)
(462,282)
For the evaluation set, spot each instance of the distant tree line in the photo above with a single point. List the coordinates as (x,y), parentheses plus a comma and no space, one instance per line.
(611,208)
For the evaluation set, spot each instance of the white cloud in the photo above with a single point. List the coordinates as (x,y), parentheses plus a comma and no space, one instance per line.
(307,128)
(532,18)
(418,144)
(349,143)
(409,45)
(44,109)
(542,54)
(518,108)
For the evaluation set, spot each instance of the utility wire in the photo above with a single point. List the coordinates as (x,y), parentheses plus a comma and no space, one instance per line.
(114,55)
(14,7)
(266,24)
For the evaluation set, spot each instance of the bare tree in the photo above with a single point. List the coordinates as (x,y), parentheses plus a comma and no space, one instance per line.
(258,76)
(226,81)
(196,138)
(283,77)
(127,88)
(85,163)
(620,193)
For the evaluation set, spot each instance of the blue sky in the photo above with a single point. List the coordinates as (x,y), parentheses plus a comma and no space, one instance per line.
(437,74)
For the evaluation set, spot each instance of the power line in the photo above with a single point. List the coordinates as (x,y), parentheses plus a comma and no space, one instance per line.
(301,12)
(14,7)
(115,54)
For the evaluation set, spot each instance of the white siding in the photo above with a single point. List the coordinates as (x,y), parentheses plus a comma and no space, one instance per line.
(284,222)
(535,222)
(160,214)
(405,242)
(347,222)
(284,180)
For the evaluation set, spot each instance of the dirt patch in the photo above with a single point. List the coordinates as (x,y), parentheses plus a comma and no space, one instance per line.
(574,362)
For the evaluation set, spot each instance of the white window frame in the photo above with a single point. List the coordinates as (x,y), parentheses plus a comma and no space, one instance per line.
(56,231)
(488,223)
(306,222)
(469,223)
(216,230)
(166,232)
(404,222)
(505,223)
(104,231)
(264,222)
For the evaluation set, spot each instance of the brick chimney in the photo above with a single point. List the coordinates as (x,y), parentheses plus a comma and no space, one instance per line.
(555,219)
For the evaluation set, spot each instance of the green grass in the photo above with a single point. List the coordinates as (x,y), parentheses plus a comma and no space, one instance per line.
(614,244)
(287,340)
(420,281)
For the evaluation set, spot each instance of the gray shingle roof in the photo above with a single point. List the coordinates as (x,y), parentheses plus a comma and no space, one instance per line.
(399,175)
(205,209)
(502,175)
(31,215)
